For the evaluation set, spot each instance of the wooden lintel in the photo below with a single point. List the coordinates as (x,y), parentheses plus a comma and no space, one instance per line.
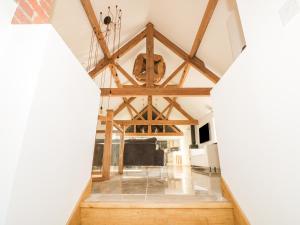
(156,122)
(126,92)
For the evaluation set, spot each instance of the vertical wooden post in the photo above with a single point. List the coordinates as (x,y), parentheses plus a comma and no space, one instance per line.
(121,151)
(149,112)
(107,145)
(150,55)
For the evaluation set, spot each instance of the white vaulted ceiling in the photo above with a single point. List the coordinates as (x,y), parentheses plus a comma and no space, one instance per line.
(178,20)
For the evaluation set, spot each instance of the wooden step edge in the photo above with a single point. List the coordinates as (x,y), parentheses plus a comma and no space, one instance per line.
(150,205)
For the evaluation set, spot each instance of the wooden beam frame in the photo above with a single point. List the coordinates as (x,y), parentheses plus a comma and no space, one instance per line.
(119,128)
(150,33)
(180,84)
(119,85)
(150,55)
(134,92)
(175,129)
(179,108)
(96,26)
(123,105)
(162,112)
(164,84)
(126,75)
(103,63)
(156,122)
(211,5)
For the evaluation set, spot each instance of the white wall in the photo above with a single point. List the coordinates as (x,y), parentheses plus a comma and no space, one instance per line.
(257,110)
(49,108)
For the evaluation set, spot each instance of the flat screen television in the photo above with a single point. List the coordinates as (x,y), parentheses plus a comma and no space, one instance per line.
(204,133)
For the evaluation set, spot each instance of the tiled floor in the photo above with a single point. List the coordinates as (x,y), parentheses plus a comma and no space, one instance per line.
(158,184)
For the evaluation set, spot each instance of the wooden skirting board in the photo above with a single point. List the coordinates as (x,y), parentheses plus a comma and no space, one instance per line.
(76,214)
(209,213)
(239,216)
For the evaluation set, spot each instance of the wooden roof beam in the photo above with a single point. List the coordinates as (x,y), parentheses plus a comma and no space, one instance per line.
(95,26)
(156,122)
(210,8)
(179,108)
(141,91)
(123,105)
(103,63)
(150,55)
(166,82)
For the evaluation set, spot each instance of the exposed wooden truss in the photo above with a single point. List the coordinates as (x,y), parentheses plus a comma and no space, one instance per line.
(150,89)
(141,91)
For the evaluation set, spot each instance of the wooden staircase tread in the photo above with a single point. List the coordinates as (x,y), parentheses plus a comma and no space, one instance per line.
(153,204)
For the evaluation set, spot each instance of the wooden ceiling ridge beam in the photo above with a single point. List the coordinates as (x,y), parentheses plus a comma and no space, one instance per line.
(163,92)
(103,63)
(193,61)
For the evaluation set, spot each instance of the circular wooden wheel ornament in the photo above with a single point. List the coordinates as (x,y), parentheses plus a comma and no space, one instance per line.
(139,69)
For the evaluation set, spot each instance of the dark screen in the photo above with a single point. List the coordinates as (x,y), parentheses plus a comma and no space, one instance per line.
(204,133)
